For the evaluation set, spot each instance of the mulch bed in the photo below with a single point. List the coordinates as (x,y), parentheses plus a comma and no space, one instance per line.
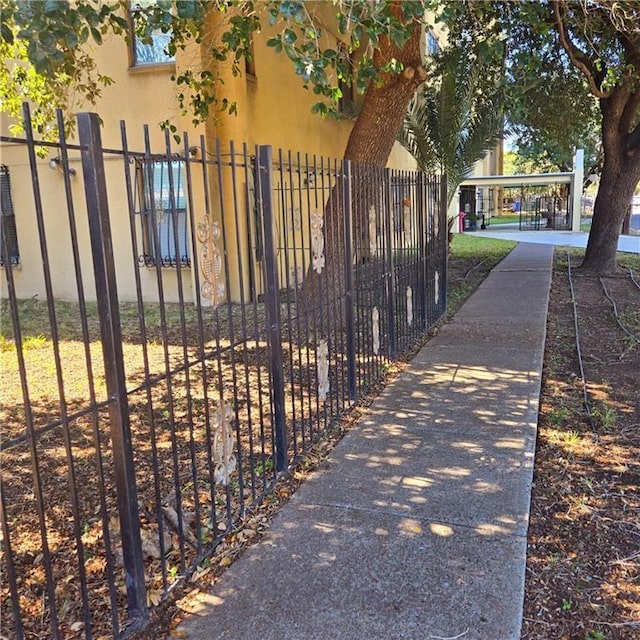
(583,570)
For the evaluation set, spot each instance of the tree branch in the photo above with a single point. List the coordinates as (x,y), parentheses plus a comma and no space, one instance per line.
(579,60)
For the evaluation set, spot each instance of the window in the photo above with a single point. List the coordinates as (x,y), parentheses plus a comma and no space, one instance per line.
(8,233)
(163,214)
(433,46)
(148,53)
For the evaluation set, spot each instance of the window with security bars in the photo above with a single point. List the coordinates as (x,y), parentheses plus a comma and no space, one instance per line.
(163,211)
(8,235)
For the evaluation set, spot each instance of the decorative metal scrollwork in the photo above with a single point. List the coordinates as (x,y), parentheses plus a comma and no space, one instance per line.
(373,231)
(375,321)
(224,458)
(409,306)
(322,367)
(212,288)
(317,242)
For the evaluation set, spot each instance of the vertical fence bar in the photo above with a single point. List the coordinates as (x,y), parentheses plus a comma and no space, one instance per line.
(243,315)
(442,244)
(348,270)
(227,244)
(295,191)
(128,161)
(303,199)
(10,570)
(250,181)
(106,293)
(156,204)
(390,275)
(285,265)
(272,304)
(421,202)
(38,482)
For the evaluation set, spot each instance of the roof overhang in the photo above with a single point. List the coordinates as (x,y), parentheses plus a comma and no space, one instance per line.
(519,180)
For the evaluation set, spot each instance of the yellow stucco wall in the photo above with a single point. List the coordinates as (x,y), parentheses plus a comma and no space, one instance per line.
(273,108)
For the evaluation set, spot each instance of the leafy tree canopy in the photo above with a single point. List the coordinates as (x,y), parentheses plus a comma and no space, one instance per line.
(457,117)
(549,107)
(48,38)
(600,39)
(552,90)
(552,115)
(42,60)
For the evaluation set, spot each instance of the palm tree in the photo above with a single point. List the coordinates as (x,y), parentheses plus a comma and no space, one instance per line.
(456,118)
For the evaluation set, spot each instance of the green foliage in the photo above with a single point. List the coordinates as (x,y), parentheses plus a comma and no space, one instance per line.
(34,67)
(51,36)
(563,57)
(550,110)
(457,117)
(606,416)
(559,417)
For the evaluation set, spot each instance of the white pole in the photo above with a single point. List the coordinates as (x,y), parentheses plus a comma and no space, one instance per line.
(576,189)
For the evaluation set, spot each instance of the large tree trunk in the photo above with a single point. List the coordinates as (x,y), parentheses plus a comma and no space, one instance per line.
(370,143)
(620,176)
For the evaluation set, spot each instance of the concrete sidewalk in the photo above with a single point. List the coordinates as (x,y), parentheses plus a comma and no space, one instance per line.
(416,526)
(627,244)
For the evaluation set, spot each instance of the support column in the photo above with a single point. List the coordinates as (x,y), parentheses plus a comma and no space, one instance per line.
(576,189)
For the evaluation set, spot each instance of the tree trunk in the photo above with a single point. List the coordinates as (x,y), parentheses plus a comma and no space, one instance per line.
(626,223)
(618,181)
(370,143)
(384,106)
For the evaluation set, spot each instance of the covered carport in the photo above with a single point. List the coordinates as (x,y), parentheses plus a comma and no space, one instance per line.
(559,206)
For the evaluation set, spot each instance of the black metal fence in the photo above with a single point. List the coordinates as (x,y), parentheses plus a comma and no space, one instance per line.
(270,294)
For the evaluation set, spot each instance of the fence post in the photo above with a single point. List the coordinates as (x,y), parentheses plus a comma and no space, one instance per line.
(107,296)
(264,171)
(391,289)
(348,268)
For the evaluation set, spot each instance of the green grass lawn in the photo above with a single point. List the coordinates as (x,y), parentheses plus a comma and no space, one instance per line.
(506,219)
(466,246)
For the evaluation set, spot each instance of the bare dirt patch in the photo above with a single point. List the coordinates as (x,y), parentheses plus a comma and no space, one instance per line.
(583,570)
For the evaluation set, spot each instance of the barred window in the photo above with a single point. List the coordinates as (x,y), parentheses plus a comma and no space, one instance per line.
(148,53)
(163,213)
(8,235)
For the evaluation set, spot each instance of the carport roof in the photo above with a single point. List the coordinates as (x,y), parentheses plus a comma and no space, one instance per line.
(520,180)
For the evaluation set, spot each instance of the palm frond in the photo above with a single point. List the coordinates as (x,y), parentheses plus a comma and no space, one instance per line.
(456,119)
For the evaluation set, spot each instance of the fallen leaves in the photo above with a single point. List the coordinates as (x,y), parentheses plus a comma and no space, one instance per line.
(172,436)
(586,496)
